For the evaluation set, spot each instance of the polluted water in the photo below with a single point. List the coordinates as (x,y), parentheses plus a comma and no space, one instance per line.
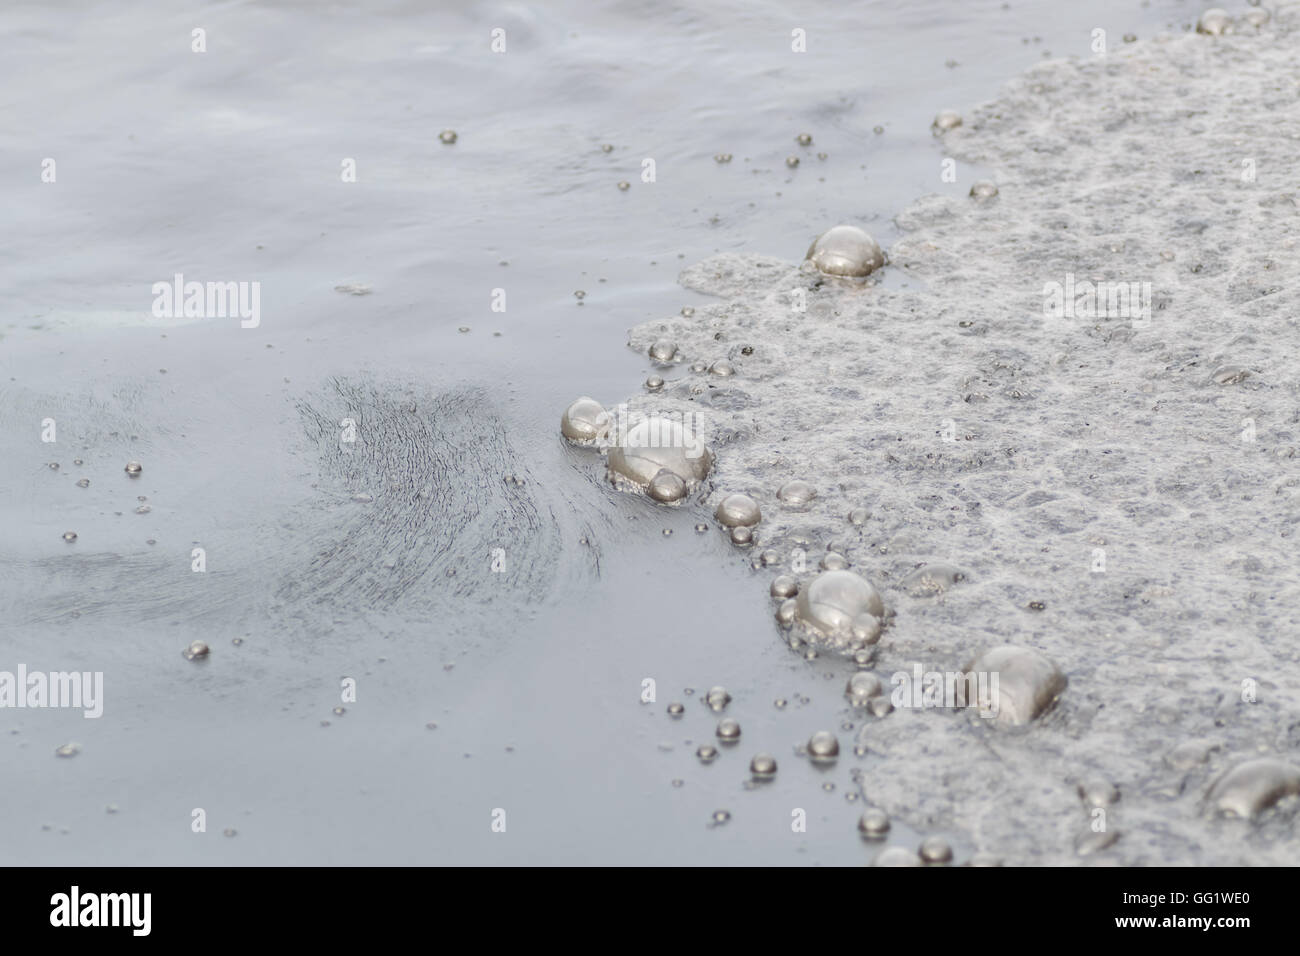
(429,469)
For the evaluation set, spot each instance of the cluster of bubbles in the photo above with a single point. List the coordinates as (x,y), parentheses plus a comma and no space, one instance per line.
(659,456)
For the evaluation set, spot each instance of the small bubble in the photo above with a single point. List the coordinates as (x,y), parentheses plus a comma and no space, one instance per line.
(877,130)
(340,711)
(722,158)
(935,850)
(720,817)
(663,351)
(722,369)
(742,537)
(607,147)
(984,190)
(676,709)
(728,730)
(584,421)
(666,487)
(784,586)
(823,747)
(701,528)
(845,251)
(53,466)
(796,493)
(68,750)
(580,295)
(668,532)
(804,139)
(688,310)
(780,703)
(654,383)
(834,561)
(678,783)
(448,136)
(133,468)
(83,482)
(229,831)
(792,161)
(763,766)
(197,650)
(945,121)
(69,536)
(624,185)
(737,510)
(707,753)
(77,461)
(717,699)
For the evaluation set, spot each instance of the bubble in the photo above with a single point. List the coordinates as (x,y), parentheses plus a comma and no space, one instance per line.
(823,747)
(845,251)
(861,687)
(133,468)
(229,832)
(722,369)
(625,185)
(720,817)
(737,509)
(1250,788)
(1230,375)
(784,586)
(53,466)
(69,536)
(607,147)
(717,699)
(769,558)
(663,351)
(796,493)
(1097,792)
(707,753)
(859,516)
(728,730)
(579,295)
(873,824)
(833,561)
(1214,22)
(722,158)
(792,161)
(763,766)
(68,750)
(659,444)
(877,130)
(83,482)
(896,856)
(585,421)
(833,600)
(654,383)
(787,612)
(984,190)
(931,579)
(780,703)
(935,850)
(944,121)
(77,461)
(676,709)
(699,368)
(666,487)
(1028,683)
(742,537)
(196,651)
(448,136)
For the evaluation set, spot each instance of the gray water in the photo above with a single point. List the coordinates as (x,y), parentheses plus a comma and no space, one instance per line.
(372,559)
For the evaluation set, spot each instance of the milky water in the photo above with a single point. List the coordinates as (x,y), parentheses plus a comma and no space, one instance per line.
(498,604)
